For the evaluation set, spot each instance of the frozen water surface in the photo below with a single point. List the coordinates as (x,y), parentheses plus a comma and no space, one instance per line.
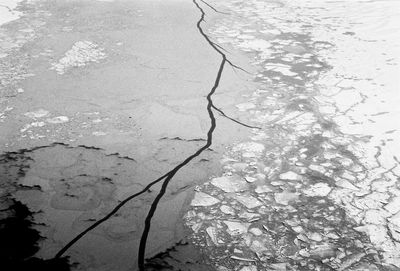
(303,171)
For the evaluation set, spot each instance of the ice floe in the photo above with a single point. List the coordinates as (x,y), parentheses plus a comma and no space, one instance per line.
(81,53)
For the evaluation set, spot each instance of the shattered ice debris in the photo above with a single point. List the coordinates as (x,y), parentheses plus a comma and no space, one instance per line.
(236,228)
(230,183)
(81,53)
(248,201)
(203,199)
(57,120)
(40,113)
(318,190)
(33,124)
(290,175)
(249,149)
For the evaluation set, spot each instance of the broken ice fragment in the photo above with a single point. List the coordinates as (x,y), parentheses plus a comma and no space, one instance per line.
(304,253)
(227,210)
(263,189)
(290,175)
(212,232)
(203,199)
(236,228)
(318,190)
(248,201)
(317,168)
(285,197)
(249,216)
(297,229)
(230,183)
(315,236)
(255,231)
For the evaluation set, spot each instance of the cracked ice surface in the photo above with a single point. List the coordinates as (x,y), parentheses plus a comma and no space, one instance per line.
(81,53)
(323,190)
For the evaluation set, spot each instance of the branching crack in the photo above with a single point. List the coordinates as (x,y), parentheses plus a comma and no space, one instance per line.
(232,119)
(213,8)
(169,175)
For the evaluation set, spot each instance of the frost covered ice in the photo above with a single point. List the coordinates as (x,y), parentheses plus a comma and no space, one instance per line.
(323,172)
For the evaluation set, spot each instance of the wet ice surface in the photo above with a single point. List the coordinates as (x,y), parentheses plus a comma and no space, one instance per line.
(56,191)
(69,187)
(65,189)
(322,193)
(77,183)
